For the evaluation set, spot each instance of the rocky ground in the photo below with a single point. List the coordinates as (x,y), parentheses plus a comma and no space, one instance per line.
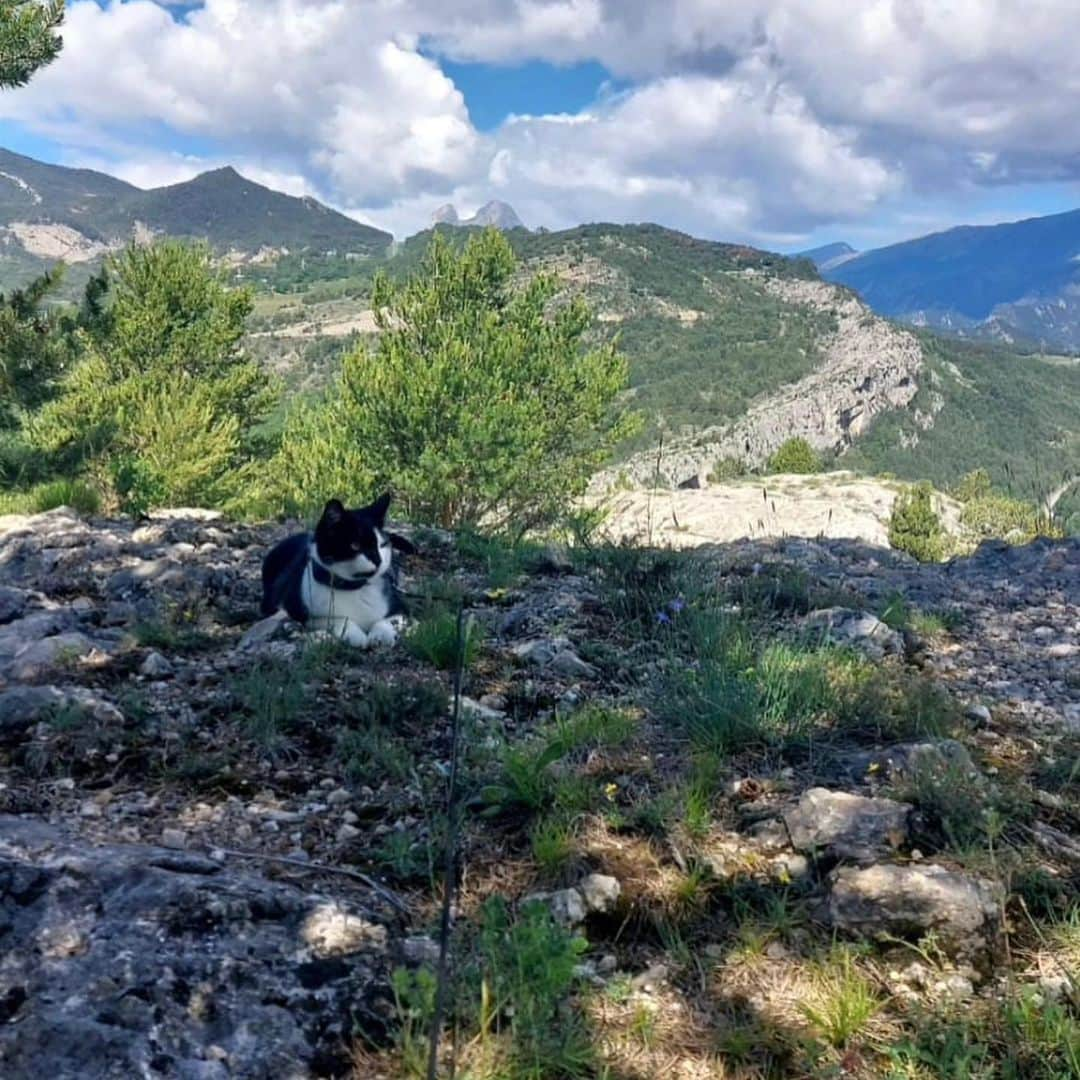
(216,845)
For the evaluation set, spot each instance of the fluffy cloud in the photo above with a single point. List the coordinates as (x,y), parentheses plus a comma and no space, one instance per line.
(281,83)
(757,120)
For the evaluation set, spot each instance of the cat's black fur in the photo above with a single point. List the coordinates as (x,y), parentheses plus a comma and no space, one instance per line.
(348,553)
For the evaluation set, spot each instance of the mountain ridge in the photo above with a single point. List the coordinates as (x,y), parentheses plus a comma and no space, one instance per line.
(1015,282)
(50,212)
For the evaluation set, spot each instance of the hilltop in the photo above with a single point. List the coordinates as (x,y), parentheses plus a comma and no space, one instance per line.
(49,213)
(734,350)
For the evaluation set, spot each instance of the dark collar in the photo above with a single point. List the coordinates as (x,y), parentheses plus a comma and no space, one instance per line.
(335,581)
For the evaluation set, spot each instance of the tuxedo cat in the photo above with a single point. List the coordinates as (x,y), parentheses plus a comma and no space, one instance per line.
(339,579)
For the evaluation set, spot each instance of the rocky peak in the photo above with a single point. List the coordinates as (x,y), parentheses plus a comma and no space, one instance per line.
(494,213)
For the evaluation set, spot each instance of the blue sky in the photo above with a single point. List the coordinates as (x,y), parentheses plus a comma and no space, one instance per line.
(784,123)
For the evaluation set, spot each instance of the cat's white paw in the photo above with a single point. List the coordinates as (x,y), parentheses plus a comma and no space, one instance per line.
(382,633)
(355,636)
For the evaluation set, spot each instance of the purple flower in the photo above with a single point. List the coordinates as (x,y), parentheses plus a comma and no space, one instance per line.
(663,617)
(677,604)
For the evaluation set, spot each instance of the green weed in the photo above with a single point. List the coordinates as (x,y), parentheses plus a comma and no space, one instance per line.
(435,640)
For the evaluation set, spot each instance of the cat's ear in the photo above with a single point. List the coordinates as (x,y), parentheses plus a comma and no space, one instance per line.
(333,512)
(399,543)
(378,509)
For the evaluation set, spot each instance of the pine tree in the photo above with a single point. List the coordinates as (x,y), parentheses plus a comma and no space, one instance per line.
(482,402)
(163,403)
(28,38)
(32,348)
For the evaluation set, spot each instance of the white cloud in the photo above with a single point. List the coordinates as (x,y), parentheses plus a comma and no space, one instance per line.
(761,119)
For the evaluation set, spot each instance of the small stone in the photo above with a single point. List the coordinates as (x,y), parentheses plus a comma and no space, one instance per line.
(263,631)
(421,949)
(1062,650)
(607,963)
(910,901)
(601,892)
(478,711)
(174,838)
(332,930)
(339,797)
(554,559)
(90,808)
(568,663)
(346,833)
(847,826)
(567,906)
(956,987)
(1056,987)
(1072,716)
(791,866)
(979,714)
(653,976)
(155,666)
(350,817)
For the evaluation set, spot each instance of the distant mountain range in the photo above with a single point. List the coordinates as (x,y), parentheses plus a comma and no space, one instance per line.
(1017,283)
(499,214)
(49,212)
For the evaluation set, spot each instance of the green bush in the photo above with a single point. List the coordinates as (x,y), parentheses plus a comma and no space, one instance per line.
(82,498)
(163,402)
(529,966)
(973,485)
(915,527)
(479,402)
(727,468)
(795,456)
(1003,516)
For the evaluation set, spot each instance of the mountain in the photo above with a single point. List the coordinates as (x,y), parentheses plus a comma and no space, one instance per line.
(1017,282)
(49,212)
(499,214)
(829,255)
(733,350)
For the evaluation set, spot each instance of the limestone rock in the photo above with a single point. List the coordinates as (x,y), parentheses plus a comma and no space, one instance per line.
(163,963)
(155,666)
(847,826)
(50,654)
(601,892)
(555,654)
(911,901)
(859,629)
(933,756)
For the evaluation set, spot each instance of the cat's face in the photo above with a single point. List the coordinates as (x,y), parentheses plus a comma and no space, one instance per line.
(352,543)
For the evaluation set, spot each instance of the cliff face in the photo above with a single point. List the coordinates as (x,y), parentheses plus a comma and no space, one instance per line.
(870,366)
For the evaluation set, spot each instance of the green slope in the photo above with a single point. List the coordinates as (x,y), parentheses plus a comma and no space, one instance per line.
(1016,417)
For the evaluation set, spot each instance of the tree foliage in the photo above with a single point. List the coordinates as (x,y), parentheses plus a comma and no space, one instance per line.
(28,38)
(479,403)
(795,456)
(163,400)
(914,525)
(33,348)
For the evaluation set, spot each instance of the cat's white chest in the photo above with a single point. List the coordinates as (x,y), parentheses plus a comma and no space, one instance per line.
(363,607)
